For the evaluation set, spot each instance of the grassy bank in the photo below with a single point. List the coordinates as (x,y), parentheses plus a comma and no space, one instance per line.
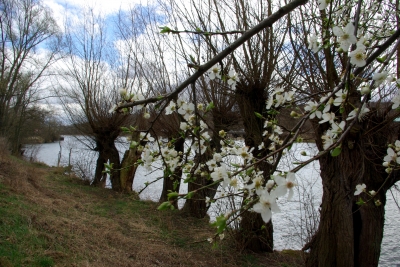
(50,219)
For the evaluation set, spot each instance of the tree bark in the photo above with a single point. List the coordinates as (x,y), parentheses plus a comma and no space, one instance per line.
(254,234)
(107,153)
(169,181)
(350,234)
(98,175)
(129,166)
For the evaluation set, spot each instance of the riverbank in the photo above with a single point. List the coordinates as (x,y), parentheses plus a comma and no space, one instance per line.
(51,219)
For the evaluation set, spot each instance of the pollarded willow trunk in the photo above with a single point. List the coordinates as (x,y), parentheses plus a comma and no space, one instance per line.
(107,153)
(129,164)
(350,234)
(197,206)
(254,234)
(99,175)
(113,157)
(173,181)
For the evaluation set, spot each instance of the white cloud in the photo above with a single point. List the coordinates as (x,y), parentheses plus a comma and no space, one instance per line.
(71,8)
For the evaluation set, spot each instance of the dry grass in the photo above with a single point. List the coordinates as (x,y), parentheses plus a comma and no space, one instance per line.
(67,223)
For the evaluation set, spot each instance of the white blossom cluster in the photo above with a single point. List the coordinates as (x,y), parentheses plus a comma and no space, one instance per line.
(244,178)
(239,177)
(392,158)
(215,72)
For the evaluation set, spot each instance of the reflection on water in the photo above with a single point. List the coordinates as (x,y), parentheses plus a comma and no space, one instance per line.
(290,226)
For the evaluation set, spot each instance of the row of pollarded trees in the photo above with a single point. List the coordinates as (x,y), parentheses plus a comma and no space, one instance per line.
(296,51)
(311,53)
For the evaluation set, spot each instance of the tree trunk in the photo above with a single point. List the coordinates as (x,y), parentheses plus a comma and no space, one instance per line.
(129,166)
(254,234)
(113,157)
(173,182)
(107,153)
(197,206)
(350,234)
(98,175)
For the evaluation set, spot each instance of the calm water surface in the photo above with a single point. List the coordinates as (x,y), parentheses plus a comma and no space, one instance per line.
(290,226)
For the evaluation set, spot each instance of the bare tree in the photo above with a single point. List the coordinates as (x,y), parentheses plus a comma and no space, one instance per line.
(87,87)
(154,60)
(25,26)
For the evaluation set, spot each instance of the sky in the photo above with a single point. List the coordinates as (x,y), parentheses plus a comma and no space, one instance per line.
(61,8)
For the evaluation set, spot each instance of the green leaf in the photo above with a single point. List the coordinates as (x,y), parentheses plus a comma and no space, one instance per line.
(192,59)
(258,115)
(336,151)
(165,205)
(272,112)
(125,129)
(220,223)
(188,179)
(360,202)
(173,195)
(189,195)
(165,29)
(196,129)
(175,184)
(210,106)
(249,171)
(381,59)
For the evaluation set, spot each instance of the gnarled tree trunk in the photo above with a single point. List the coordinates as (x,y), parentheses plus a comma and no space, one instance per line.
(129,166)
(170,181)
(254,234)
(350,234)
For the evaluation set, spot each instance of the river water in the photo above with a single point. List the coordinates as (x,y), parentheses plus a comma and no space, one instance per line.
(292,226)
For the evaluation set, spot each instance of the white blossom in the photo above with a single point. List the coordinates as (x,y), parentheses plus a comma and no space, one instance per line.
(345,36)
(113,108)
(323,4)
(266,205)
(215,72)
(313,44)
(328,117)
(379,77)
(232,79)
(358,56)
(285,184)
(396,101)
(353,113)
(340,97)
(337,129)
(328,139)
(312,107)
(359,189)
(170,108)
(186,110)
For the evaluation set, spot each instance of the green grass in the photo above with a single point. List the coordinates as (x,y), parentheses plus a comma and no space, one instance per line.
(17,237)
(48,219)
